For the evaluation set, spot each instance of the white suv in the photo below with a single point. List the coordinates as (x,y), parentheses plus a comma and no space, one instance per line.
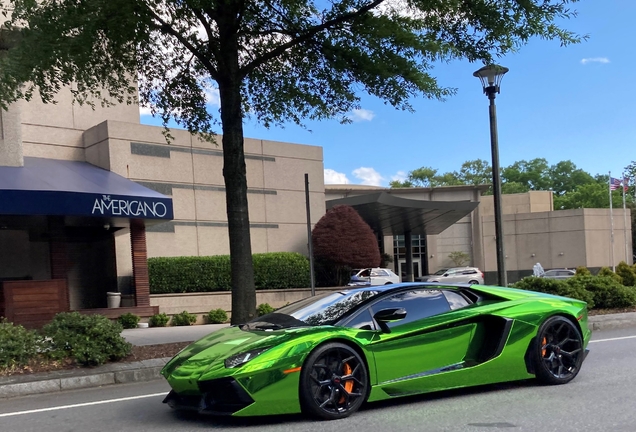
(467,275)
(373,276)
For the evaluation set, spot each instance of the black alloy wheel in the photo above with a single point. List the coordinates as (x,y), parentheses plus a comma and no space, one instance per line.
(334,382)
(559,350)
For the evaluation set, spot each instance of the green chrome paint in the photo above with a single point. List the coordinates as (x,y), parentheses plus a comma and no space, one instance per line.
(431,354)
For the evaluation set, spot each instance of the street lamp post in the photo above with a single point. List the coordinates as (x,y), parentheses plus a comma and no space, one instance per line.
(490,77)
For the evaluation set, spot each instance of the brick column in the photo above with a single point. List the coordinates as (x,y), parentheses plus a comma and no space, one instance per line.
(58,254)
(140,262)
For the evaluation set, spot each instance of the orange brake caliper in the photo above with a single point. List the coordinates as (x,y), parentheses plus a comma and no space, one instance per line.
(348,385)
(543,344)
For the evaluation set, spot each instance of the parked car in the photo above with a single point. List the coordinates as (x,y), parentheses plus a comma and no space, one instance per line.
(326,355)
(373,276)
(562,273)
(469,275)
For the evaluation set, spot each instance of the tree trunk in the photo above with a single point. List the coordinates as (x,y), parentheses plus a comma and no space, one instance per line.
(235,175)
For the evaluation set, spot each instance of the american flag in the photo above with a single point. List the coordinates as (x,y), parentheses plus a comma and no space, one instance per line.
(614,183)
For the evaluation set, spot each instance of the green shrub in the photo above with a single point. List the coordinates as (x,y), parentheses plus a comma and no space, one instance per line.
(606,292)
(280,270)
(217,316)
(557,287)
(626,272)
(159,320)
(128,320)
(583,271)
(183,319)
(87,339)
(264,308)
(212,273)
(606,271)
(17,345)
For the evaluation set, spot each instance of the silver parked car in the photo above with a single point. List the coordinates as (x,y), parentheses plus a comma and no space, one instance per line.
(562,273)
(467,275)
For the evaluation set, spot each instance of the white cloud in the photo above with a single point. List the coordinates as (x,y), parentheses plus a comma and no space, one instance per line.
(369,176)
(361,115)
(399,176)
(144,110)
(334,177)
(587,60)
(212,96)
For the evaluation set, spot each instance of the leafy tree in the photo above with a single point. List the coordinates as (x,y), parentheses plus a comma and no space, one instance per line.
(566,177)
(277,61)
(343,240)
(533,174)
(420,177)
(591,195)
(475,172)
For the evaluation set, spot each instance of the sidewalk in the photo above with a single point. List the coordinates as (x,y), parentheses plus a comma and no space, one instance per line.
(118,373)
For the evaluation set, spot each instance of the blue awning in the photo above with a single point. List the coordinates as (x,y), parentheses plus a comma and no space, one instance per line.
(72,188)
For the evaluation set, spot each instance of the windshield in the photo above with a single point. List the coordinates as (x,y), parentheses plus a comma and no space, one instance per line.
(440,272)
(322,309)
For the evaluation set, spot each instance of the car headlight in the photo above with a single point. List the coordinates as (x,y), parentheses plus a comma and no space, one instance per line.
(244,357)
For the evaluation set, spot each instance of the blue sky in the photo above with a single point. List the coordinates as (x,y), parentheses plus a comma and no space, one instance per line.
(573,103)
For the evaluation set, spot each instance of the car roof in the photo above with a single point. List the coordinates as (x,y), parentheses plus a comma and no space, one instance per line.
(399,286)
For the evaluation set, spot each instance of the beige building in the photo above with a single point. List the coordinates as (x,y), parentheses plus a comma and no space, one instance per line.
(87,195)
(533,231)
(80,189)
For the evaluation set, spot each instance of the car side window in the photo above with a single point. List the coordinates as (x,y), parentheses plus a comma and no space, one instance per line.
(469,272)
(382,273)
(362,321)
(456,300)
(419,304)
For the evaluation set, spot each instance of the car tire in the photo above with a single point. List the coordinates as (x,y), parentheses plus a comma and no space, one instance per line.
(558,351)
(473,282)
(389,283)
(334,382)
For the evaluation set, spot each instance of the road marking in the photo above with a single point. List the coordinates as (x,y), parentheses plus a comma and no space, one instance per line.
(613,339)
(80,405)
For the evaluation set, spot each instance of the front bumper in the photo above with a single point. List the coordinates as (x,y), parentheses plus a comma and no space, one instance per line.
(223,396)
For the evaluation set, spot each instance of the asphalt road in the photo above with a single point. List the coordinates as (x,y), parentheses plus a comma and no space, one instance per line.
(601,398)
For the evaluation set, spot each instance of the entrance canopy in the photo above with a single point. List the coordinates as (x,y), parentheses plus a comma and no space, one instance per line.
(71,188)
(391,215)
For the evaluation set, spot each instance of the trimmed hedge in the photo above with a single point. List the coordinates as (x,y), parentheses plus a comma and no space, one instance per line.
(601,292)
(275,270)
(557,287)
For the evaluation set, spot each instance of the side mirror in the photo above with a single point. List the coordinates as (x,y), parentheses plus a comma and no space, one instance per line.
(389,315)
(445,274)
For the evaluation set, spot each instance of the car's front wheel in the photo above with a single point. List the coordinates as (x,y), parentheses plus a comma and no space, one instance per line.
(334,382)
(559,351)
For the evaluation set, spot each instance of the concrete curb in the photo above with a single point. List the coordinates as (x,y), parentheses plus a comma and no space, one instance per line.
(612,321)
(147,370)
(24,385)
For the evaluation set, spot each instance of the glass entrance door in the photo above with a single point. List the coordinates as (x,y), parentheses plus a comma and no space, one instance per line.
(416,268)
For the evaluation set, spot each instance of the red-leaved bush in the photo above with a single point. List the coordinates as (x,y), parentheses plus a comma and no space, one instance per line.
(342,238)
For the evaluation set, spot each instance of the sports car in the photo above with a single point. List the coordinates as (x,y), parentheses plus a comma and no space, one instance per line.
(326,355)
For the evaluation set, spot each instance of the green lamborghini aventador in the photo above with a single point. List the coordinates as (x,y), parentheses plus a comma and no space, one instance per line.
(326,355)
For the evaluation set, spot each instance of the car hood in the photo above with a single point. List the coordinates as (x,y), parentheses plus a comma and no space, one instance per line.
(214,348)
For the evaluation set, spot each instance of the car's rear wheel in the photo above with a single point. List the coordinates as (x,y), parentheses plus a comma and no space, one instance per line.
(559,351)
(334,382)
(473,282)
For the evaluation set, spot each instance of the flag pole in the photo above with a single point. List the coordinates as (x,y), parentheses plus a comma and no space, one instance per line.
(611,224)
(625,219)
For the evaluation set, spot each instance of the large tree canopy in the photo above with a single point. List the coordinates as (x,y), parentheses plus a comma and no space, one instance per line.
(275,60)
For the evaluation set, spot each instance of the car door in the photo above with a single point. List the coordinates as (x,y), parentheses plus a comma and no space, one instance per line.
(379,277)
(454,276)
(421,344)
